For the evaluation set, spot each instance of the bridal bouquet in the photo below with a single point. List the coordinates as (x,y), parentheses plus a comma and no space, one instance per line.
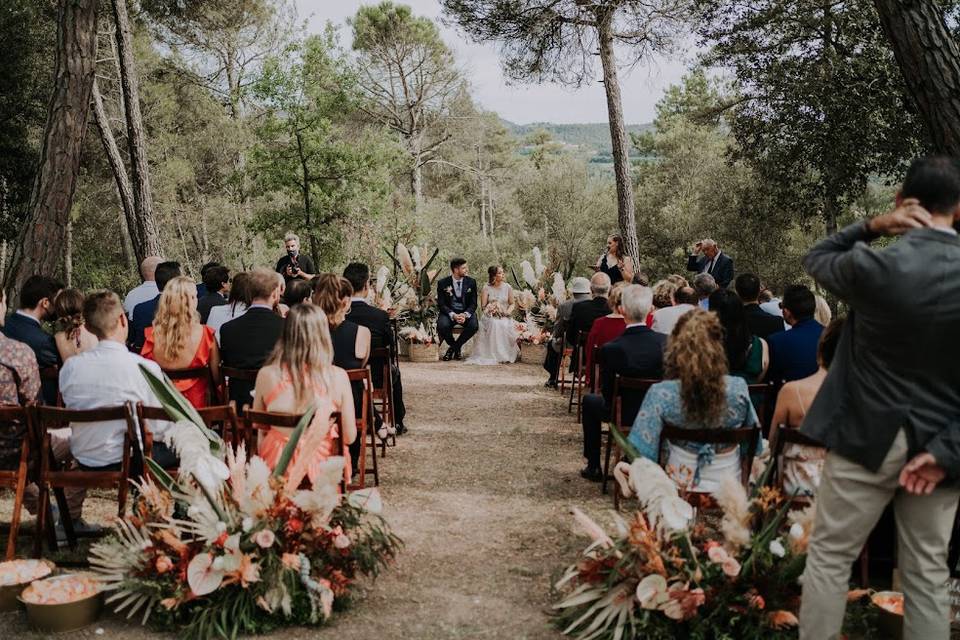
(664,574)
(231,547)
(495,310)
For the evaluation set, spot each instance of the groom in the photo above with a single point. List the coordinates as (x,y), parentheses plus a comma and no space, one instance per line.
(457,300)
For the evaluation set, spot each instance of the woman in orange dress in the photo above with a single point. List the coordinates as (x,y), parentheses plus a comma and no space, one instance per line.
(177,340)
(300,373)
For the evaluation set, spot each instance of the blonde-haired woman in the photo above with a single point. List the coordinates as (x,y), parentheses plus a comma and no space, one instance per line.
(299,373)
(177,340)
(698,394)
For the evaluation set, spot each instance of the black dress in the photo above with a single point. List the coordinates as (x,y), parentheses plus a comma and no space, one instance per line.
(344,338)
(614,272)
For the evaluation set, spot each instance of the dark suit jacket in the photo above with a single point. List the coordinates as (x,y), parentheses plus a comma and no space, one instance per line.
(722,269)
(143,315)
(245,343)
(445,294)
(381,333)
(638,353)
(896,363)
(208,302)
(762,324)
(582,316)
(29,332)
(793,354)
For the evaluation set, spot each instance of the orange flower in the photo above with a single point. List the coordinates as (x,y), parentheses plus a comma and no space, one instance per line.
(782,619)
(163,564)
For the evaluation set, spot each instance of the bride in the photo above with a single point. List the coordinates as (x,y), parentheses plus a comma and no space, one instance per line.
(497,339)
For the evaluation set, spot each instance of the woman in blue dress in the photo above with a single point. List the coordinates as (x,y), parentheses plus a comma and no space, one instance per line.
(697,394)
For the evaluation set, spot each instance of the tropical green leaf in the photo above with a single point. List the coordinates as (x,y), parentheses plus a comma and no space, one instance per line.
(629,451)
(159,474)
(178,406)
(513,274)
(291,446)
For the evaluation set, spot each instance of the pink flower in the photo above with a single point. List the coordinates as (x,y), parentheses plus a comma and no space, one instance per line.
(717,555)
(164,564)
(342,541)
(291,561)
(264,538)
(731,567)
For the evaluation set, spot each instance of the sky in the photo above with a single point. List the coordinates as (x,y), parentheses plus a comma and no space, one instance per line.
(642,86)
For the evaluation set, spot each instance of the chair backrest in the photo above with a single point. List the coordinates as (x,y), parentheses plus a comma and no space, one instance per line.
(265,420)
(224,416)
(249,375)
(780,437)
(595,368)
(50,375)
(381,357)
(366,403)
(11,416)
(743,436)
(623,385)
(192,373)
(766,392)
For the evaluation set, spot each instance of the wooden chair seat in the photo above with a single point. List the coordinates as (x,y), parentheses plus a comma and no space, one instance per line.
(221,419)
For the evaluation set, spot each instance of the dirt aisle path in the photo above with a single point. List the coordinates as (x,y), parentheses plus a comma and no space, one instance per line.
(480,492)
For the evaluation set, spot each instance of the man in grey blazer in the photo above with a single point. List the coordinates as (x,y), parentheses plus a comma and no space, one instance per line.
(889,409)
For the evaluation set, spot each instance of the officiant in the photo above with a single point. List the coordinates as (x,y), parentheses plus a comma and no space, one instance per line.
(457,303)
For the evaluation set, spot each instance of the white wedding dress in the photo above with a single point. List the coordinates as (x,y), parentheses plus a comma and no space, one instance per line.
(496,341)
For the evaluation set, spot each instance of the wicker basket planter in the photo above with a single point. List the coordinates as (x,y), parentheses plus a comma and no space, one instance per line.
(532,353)
(424,352)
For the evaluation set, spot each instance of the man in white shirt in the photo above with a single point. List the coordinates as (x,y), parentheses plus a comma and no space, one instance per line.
(665,319)
(148,289)
(108,376)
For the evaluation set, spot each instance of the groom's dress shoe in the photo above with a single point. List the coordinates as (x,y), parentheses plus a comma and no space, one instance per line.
(593,475)
(457,355)
(448,356)
(550,384)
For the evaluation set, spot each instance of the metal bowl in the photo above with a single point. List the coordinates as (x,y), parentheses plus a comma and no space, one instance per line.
(9,594)
(68,616)
(890,623)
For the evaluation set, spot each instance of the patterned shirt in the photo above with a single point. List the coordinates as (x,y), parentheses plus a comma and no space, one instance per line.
(19,384)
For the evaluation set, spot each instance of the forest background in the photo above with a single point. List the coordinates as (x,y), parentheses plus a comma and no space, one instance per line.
(795,118)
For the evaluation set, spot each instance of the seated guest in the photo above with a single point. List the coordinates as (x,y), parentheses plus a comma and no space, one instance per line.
(237,302)
(771,304)
(36,307)
(381,334)
(580,290)
(698,395)
(704,285)
(762,324)
(663,297)
(202,285)
(607,328)
(142,316)
(300,373)
(72,337)
(177,340)
(665,319)
(216,282)
(747,355)
(147,290)
(247,341)
(677,280)
(802,464)
(298,292)
(793,354)
(583,314)
(108,376)
(281,308)
(823,314)
(638,353)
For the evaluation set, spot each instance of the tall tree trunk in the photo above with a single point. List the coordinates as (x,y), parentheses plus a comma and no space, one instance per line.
(142,227)
(124,190)
(929,58)
(626,215)
(41,239)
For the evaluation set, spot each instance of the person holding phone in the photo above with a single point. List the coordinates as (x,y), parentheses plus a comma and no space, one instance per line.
(295,265)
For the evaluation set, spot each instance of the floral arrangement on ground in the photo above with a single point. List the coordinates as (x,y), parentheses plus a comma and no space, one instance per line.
(539,293)
(231,547)
(667,573)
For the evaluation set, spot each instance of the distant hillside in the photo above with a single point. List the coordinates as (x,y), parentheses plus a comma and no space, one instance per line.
(590,136)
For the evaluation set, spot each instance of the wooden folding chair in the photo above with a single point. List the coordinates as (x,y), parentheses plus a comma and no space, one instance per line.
(52,476)
(14,421)
(766,393)
(365,426)
(595,369)
(621,385)
(192,373)
(383,396)
(51,374)
(230,374)
(562,381)
(221,419)
(257,421)
(579,377)
(748,436)
(395,337)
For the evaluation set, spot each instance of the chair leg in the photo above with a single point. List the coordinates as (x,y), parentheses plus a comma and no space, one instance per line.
(606,462)
(579,403)
(376,469)
(15,517)
(65,518)
(44,524)
(616,497)
(573,390)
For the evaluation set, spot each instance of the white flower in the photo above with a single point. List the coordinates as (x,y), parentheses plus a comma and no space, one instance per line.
(382,274)
(777,549)
(652,591)
(247,524)
(202,576)
(675,514)
(403,257)
(193,449)
(538,265)
(796,531)
(529,275)
(558,288)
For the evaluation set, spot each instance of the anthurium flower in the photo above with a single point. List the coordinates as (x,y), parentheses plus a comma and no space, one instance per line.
(202,577)
(777,548)
(652,591)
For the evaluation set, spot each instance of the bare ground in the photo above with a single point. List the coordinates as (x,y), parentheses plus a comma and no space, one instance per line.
(480,492)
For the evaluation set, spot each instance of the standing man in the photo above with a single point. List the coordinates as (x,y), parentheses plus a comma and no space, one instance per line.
(580,288)
(146,290)
(457,301)
(888,409)
(295,265)
(706,257)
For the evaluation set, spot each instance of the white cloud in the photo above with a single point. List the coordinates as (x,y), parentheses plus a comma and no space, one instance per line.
(520,103)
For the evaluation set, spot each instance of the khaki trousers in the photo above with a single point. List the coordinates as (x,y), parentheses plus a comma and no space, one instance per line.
(850,500)
(60,443)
